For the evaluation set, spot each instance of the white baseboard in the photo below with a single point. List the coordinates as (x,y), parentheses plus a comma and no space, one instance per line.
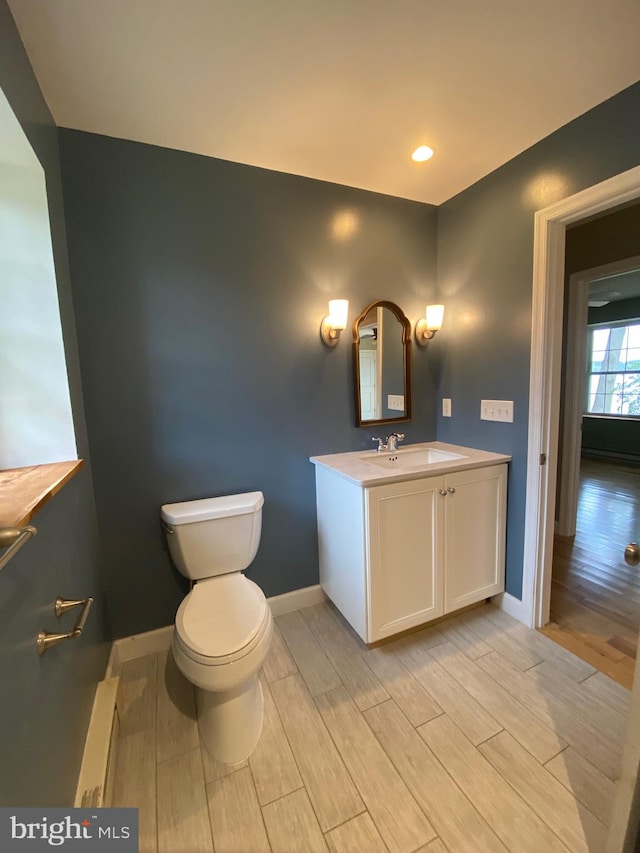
(137,646)
(513,606)
(96,772)
(159,640)
(113,664)
(296,600)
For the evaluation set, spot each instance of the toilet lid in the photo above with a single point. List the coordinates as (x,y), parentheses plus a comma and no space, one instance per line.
(221,615)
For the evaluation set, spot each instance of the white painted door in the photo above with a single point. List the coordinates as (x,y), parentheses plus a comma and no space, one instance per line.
(405,555)
(474,532)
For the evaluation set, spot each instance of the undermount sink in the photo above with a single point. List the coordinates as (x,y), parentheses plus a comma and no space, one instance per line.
(409,459)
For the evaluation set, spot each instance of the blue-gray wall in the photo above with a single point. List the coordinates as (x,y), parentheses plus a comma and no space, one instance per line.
(485,267)
(46,702)
(623,309)
(199,286)
(198,289)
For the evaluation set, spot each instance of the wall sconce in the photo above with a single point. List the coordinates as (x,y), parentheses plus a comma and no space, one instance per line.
(427,328)
(335,321)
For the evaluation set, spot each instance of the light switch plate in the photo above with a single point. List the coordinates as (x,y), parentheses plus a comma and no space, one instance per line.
(395,402)
(496,410)
(446,407)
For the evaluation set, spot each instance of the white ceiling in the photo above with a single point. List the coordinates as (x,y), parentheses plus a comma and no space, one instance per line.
(613,288)
(341,90)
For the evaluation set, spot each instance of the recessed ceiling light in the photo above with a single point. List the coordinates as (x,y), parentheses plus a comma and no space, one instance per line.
(422,153)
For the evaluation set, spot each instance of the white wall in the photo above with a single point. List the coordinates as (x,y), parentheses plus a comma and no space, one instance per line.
(36,425)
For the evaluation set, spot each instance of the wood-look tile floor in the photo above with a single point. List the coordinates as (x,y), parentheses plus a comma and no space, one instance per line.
(477,734)
(595,596)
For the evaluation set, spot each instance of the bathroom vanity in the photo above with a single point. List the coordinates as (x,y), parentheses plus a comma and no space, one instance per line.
(408,536)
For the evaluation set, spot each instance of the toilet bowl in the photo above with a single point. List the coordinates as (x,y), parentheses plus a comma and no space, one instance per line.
(223,627)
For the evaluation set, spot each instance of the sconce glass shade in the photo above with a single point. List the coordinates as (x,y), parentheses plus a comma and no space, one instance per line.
(335,321)
(435,313)
(427,328)
(338,312)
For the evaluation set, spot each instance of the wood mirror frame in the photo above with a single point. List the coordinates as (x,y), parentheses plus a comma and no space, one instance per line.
(398,359)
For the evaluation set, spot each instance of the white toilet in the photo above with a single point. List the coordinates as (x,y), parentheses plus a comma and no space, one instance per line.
(223,627)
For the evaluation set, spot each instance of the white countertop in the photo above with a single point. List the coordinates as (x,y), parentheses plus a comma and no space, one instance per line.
(355,467)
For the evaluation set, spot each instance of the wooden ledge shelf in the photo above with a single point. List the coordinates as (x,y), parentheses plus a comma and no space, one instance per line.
(24,491)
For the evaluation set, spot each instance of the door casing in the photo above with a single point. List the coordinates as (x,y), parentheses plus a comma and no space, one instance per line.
(545,381)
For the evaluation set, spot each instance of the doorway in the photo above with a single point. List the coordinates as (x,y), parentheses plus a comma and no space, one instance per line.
(545,379)
(601,297)
(595,596)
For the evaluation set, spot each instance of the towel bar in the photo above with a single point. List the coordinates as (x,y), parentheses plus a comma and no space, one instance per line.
(47,640)
(13,538)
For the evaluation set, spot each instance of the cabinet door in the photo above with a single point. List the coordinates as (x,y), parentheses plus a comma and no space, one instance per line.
(404,542)
(474,530)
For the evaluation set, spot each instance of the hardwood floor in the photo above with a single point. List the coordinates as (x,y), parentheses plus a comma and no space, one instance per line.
(477,734)
(595,596)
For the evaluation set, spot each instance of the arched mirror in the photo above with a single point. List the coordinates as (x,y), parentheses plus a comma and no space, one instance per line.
(382,364)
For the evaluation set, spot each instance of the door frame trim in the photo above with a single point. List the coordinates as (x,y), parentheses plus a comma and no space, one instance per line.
(545,377)
(574,382)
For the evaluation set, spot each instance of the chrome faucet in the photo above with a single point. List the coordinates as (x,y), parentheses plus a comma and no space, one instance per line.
(390,443)
(393,439)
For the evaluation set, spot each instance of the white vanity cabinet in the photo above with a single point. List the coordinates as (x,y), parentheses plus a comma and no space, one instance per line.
(474,535)
(404,555)
(394,555)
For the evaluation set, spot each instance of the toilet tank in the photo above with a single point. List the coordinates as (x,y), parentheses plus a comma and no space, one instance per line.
(214,536)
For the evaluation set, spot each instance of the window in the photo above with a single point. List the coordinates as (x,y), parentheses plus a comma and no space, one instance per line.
(36,423)
(614,369)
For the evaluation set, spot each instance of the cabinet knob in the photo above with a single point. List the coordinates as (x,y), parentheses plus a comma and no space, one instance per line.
(451,491)
(443,492)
